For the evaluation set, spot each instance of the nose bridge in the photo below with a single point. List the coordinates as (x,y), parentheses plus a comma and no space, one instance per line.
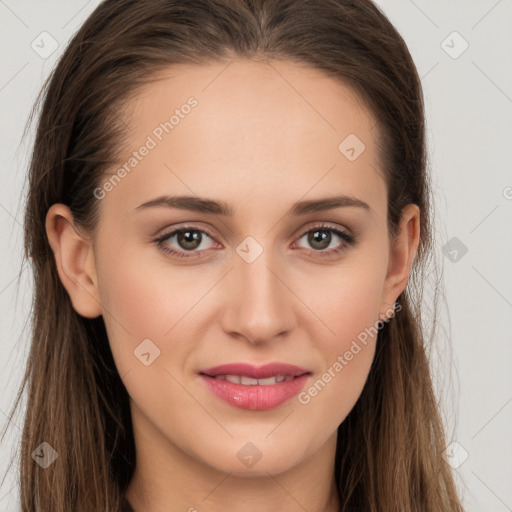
(259,305)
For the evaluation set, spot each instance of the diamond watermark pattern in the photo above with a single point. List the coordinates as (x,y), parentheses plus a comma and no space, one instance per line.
(44,45)
(146,352)
(454,45)
(351,147)
(249,455)
(249,250)
(44,455)
(455,455)
(454,250)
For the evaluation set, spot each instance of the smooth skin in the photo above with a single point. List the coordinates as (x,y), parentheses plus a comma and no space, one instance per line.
(263,136)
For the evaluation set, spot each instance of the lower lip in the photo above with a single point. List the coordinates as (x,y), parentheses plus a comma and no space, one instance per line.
(255,398)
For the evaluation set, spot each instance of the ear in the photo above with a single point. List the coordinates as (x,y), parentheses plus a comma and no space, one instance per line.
(74,258)
(402,252)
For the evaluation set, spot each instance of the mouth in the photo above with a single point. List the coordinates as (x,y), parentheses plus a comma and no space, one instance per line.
(255,388)
(249,381)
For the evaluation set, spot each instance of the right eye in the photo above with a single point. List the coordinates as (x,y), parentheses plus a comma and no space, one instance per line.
(187,239)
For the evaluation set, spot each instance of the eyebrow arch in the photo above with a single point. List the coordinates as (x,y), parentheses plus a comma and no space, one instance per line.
(198,204)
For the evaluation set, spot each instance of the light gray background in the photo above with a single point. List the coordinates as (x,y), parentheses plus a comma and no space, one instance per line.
(469,112)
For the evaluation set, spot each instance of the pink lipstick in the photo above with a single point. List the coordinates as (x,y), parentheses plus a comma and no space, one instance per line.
(255,387)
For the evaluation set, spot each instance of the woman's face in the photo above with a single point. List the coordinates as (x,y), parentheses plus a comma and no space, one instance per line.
(284,258)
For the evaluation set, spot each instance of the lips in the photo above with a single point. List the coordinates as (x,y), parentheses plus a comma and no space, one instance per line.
(255,372)
(255,388)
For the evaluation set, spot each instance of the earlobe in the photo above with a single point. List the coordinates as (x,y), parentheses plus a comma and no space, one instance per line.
(403,250)
(74,258)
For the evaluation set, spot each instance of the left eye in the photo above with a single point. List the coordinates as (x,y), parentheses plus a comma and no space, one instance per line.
(320,239)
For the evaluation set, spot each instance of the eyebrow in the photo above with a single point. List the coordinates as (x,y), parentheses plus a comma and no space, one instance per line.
(202,205)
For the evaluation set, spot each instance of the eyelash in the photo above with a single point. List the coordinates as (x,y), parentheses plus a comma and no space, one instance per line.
(349,240)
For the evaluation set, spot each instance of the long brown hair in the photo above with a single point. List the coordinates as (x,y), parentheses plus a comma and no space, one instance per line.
(390,445)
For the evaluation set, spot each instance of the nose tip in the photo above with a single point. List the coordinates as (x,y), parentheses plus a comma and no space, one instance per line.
(259,307)
(257,339)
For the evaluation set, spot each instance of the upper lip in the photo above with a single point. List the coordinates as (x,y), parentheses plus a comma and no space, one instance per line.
(255,372)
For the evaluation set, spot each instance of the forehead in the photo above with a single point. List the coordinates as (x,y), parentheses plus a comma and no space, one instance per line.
(251,126)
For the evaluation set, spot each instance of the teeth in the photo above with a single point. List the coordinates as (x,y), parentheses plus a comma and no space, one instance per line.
(249,381)
(268,381)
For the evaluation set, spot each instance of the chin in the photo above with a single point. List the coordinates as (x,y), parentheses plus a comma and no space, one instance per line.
(255,458)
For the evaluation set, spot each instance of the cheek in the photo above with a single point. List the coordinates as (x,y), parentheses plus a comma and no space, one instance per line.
(347,357)
(348,303)
(144,297)
(143,301)
(143,292)
(333,393)
(346,300)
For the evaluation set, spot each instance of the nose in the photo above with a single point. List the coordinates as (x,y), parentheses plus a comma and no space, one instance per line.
(259,303)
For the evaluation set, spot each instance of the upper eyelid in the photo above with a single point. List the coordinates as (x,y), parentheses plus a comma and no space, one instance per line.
(319,225)
(172,231)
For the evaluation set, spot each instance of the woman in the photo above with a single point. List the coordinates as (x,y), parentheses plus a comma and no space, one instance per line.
(229,224)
